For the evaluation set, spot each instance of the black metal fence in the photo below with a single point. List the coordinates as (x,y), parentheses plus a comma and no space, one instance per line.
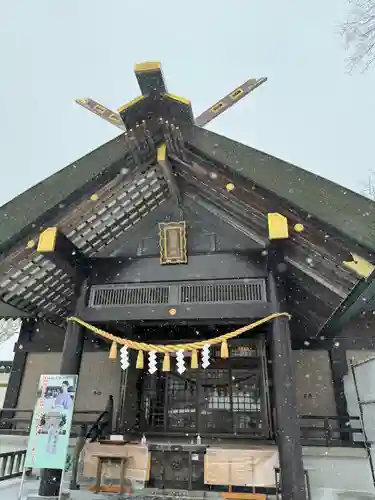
(12,464)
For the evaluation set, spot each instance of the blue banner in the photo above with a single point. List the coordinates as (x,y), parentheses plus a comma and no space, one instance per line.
(51,423)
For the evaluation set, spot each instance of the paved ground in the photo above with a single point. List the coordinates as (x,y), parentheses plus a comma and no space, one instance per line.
(10,489)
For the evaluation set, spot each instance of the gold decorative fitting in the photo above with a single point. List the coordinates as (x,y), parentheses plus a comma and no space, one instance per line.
(173,241)
(224,350)
(47,240)
(140,360)
(166,363)
(113,352)
(178,98)
(360,266)
(130,104)
(194,359)
(277,226)
(147,66)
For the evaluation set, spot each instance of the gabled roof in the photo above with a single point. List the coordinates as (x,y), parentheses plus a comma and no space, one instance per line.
(18,216)
(97,199)
(340,208)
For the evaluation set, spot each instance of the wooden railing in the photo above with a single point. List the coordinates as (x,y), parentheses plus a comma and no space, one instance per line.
(11,464)
(18,421)
(331,431)
(315,430)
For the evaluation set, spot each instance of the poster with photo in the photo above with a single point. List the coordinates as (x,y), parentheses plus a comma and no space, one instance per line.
(52,421)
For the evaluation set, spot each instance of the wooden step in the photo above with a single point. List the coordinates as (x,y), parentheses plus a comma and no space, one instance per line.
(242,496)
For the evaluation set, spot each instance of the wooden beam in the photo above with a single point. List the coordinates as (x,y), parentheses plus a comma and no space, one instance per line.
(167,171)
(57,248)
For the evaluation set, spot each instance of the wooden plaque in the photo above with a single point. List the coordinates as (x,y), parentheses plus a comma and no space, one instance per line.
(173,242)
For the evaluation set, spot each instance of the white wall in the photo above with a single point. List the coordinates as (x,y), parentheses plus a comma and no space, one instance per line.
(345,473)
(335,471)
(314,386)
(3,390)
(365,378)
(4,377)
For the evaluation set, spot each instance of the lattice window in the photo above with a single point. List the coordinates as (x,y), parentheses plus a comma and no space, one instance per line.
(181,402)
(229,401)
(217,397)
(246,400)
(245,392)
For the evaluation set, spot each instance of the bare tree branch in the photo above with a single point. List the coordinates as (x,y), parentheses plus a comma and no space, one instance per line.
(369,187)
(359,34)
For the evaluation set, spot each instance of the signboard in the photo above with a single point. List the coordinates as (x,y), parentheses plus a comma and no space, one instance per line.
(51,423)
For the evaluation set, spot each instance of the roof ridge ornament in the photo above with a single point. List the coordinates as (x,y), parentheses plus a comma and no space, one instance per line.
(154,93)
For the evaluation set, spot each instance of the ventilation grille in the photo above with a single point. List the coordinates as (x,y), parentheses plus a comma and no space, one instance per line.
(129,296)
(252,290)
(217,293)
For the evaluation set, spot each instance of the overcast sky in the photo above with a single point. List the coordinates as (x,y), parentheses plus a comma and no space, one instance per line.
(311,112)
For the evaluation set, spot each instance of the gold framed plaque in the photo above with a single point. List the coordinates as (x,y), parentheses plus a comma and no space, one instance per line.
(173,242)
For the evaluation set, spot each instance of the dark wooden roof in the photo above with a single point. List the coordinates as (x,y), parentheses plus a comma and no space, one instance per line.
(348,212)
(128,187)
(18,215)
(342,209)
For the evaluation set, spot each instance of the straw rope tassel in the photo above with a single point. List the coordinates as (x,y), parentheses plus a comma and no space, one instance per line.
(166,363)
(224,351)
(113,351)
(142,347)
(140,361)
(194,359)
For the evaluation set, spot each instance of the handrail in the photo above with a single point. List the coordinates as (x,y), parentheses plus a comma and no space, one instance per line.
(12,464)
(332,431)
(15,424)
(315,430)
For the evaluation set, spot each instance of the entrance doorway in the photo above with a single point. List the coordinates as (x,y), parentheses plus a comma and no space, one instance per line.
(230,397)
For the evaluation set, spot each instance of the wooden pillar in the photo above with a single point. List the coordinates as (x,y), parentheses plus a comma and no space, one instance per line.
(17,372)
(129,407)
(288,434)
(50,479)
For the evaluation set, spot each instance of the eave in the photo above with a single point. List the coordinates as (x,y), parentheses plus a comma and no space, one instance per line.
(361,299)
(95,217)
(60,192)
(315,250)
(34,284)
(340,209)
